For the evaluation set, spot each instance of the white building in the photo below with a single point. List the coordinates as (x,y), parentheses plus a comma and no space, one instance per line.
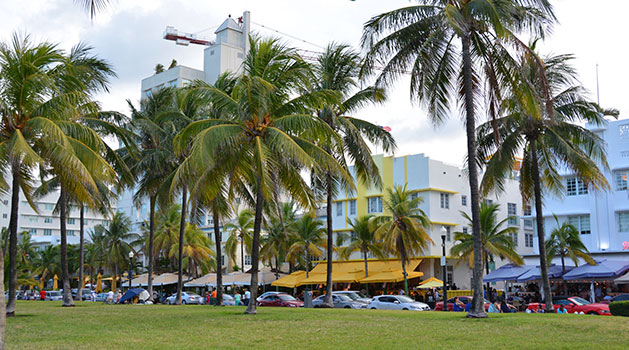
(445,192)
(602,217)
(43,224)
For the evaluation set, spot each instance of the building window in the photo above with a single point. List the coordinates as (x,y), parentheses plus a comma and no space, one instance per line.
(575,186)
(621,180)
(514,238)
(464,200)
(528,223)
(512,212)
(464,229)
(70,232)
(448,234)
(527,210)
(375,205)
(49,206)
(449,274)
(247,259)
(149,93)
(445,200)
(85,221)
(47,232)
(352,207)
(173,83)
(5,202)
(623,221)
(581,222)
(339,208)
(70,221)
(33,219)
(4,216)
(48,220)
(488,201)
(222,260)
(528,240)
(33,231)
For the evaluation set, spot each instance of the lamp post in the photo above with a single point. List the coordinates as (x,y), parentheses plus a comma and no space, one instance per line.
(443,267)
(130,267)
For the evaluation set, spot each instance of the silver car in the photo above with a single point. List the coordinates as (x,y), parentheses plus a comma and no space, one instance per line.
(354,295)
(54,295)
(340,301)
(186,298)
(397,302)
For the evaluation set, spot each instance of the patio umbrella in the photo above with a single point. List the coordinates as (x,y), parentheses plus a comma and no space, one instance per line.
(509,272)
(623,279)
(54,284)
(535,274)
(605,269)
(431,283)
(99,283)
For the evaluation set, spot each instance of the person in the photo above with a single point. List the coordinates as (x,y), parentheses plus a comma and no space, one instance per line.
(207,297)
(237,298)
(494,308)
(454,287)
(401,292)
(468,305)
(118,296)
(42,295)
(504,308)
(562,310)
(213,297)
(247,296)
(458,305)
(437,297)
(110,297)
(93,295)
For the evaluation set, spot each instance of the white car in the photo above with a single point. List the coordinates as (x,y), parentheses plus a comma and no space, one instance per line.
(397,302)
(54,295)
(186,298)
(354,295)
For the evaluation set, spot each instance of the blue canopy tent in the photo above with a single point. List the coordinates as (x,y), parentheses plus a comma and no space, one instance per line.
(604,270)
(534,274)
(130,294)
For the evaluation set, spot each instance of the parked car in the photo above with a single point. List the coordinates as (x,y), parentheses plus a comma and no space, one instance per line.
(228,300)
(354,295)
(620,297)
(280,299)
(575,304)
(186,298)
(54,295)
(340,301)
(464,299)
(397,302)
(267,293)
(101,297)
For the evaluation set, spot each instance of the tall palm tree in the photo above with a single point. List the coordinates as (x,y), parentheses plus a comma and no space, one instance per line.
(308,239)
(239,235)
(548,140)
(197,251)
(364,240)
(271,134)
(337,69)
(403,227)
(565,241)
(451,48)
(495,240)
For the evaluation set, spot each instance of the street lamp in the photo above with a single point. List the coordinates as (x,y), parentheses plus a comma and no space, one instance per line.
(130,267)
(443,267)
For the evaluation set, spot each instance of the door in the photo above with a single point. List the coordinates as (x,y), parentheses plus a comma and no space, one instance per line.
(387,303)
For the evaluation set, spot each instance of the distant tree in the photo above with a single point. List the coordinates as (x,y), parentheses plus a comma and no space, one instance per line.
(308,240)
(159,68)
(173,64)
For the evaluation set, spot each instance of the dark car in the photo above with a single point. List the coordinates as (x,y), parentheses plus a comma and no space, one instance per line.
(280,300)
(620,297)
(464,300)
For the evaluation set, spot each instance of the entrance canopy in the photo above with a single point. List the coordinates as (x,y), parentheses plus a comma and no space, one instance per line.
(509,272)
(535,274)
(605,269)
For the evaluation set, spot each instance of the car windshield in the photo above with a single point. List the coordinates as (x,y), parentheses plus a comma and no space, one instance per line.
(227,297)
(580,301)
(287,297)
(344,297)
(405,299)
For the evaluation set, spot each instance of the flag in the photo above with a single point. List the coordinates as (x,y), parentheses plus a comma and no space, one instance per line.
(385,128)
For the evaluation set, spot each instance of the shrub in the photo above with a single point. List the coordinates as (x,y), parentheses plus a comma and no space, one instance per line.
(619,308)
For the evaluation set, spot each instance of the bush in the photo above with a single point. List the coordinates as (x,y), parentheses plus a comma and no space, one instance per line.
(619,308)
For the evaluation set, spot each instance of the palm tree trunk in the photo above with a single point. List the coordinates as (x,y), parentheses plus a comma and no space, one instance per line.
(327,302)
(63,251)
(255,249)
(2,303)
(306,257)
(151,243)
(15,202)
(79,290)
(242,252)
(366,268)
(405,278)
(182,228)
(563,272)
(539,217)
(478,307)
(219,263)
(487,273)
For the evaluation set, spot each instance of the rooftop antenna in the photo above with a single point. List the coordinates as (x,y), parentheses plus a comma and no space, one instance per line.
(598,97)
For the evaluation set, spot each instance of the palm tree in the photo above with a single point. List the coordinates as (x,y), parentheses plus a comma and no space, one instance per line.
(337,69)
(403,231)
(547,139)
(565,241)
(47,263)
(423,39)
(94,6)
(167,230)
(270,135)
(117,235)
(495,240)
(308,239)
(279,231)
(197,254)
(364,240)
(239,235)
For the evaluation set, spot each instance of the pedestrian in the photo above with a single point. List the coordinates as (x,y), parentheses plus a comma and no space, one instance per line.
(207,297)
(437,297)
(42,294)
(504,308)
(562,310)
(247,296)
(110,297)
(401,292)
(494,308)
(237,298)
(118,296)
(213,297)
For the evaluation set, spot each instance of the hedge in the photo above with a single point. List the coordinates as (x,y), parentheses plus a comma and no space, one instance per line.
(619,308)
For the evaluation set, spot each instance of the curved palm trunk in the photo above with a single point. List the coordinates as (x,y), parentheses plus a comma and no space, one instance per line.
(219,263)
(79,290)
(182,229)
(405,278)
(327,302)
(539,218)
(242,252)
(15,202)
(255,249)
(563,272)
(478,307)
(366,268)
(151,243)
(63,251)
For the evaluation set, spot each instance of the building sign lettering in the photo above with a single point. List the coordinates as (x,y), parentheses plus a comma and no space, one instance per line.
(625,245)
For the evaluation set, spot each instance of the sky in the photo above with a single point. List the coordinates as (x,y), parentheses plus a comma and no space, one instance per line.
(129,35)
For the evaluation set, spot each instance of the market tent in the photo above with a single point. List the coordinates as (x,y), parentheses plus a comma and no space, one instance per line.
(354,271)
(168,278)
(314,278)
(623,279)
(244,279)
(390,276)
(431,283)
(291,280)
(141,280)
(203,281)
(509,272)
(605,269)
(535,274)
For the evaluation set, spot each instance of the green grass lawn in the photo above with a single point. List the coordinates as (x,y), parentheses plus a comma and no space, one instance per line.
(46,325)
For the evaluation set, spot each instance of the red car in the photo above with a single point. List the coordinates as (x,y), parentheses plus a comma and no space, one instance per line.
(575,304)
(281,299)
(464,300)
